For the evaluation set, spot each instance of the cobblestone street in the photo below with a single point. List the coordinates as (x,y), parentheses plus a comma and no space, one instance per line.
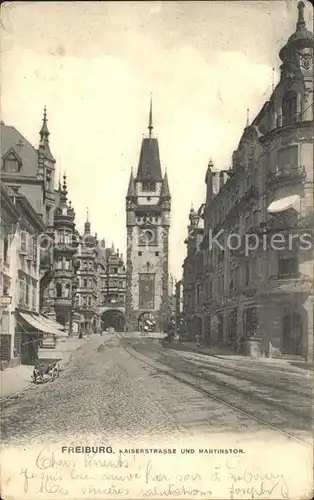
(124,388)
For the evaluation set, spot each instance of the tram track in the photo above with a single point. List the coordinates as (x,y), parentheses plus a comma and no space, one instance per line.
(144,358)
(211,374)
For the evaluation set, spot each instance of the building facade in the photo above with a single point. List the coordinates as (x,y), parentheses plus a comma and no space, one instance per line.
(19,275)
(257,249)
(148,205)
(86,300)
(192,282)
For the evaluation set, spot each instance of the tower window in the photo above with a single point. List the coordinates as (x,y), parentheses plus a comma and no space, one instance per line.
(289,107)
(59,290)
(156,253)
(139,254)
(149,186)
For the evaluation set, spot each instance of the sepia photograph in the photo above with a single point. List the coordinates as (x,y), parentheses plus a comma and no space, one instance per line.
(156,250)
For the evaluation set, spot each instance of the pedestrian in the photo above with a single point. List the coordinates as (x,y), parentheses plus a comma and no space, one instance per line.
(146,329)
(198,339)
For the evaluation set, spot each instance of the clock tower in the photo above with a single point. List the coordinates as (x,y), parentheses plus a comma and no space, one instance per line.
(148,205)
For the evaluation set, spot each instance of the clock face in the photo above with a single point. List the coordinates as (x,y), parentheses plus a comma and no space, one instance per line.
(148,237)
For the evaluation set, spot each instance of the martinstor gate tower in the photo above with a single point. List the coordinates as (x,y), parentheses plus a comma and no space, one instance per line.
(148,204)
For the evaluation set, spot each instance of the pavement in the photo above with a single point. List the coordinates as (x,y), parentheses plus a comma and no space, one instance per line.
(18,379)
(222,353)
(113,389)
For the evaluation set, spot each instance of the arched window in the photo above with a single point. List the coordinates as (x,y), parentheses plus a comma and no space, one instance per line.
(59,290)
(289,107)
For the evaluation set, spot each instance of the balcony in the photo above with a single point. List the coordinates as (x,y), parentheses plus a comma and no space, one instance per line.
(113,305)
(287,284)
(286,175)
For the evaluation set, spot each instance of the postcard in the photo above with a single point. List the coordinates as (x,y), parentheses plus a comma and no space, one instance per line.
(156,250)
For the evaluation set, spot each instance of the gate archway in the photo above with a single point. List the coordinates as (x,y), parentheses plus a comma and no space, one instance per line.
(146,322)
(113,318)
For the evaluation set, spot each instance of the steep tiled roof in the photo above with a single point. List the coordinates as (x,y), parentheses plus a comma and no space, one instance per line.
(12,139)
(149,168)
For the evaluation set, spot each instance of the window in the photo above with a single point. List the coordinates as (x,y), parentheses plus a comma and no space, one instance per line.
(11,164)
(149,186)
(287,158)
(89,301)
(5,249)
(85,264)
(115,270)
(66,264)
(84,282)
(48,216)
(59,290)
(289,108)
(139,254)
(156,253)
(23,243)
(246,273)
(22,291)
(33,297)
(288,266)
(90,283)
(48,180)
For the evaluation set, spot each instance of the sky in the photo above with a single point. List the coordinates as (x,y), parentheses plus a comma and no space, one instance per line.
(95,64)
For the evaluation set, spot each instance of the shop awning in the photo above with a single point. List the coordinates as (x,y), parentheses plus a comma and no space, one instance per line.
(38,323)
(285,203)
(50,322)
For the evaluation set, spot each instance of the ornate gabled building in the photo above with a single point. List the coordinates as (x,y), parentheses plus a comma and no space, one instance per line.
(113,286)
(62,242)
(19,276)
(148,205)
(29,170)
(258,221)
(87,291)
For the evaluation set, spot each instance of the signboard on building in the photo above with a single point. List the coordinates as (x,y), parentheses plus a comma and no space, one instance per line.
(5,300)
(146,291)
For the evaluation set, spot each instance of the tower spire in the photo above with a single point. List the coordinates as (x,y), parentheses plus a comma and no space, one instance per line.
(301,21)
(150,120)
(44,132)
(87,223)
(247,117)
(131,190)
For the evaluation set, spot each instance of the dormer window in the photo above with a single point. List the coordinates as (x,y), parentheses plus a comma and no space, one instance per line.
(48,180)
(11,162)
(149,186)
(289,108)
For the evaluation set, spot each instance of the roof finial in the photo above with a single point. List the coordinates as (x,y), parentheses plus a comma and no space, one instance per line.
(247,117)
(273,80)
(150,120)
(64,183)
(301,21)
(87,214)
(44,132)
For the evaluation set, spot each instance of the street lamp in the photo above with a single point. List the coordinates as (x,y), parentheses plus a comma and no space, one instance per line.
(74,285)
